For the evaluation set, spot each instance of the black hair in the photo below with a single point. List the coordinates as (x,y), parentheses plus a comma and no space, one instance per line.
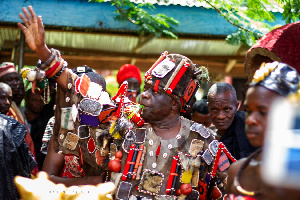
(92,74)
(200,107)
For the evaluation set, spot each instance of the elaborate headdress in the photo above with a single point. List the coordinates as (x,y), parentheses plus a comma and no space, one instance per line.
(176,75)
(278,77)
(281,44)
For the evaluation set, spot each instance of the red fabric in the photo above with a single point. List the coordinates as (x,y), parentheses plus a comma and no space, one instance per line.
(178,77)
(72,167)
(128,71)
(156,85)
(284,42)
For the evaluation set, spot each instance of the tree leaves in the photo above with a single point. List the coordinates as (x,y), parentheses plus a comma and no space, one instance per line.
(159,24)
(250,16)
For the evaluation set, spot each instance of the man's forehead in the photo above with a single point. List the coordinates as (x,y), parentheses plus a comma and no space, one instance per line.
(5,90)
(222,100)
(224,95)
(132,79)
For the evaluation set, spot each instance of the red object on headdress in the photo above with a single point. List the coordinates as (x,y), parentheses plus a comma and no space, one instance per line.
(7,68)
(128,71)
(281,44)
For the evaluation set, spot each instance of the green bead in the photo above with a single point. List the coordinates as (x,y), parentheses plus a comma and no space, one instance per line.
(42,84)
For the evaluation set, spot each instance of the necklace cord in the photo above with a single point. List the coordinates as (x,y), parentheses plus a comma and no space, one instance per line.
(236,181)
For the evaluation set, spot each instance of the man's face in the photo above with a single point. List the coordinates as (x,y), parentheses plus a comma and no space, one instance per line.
(158,105)
(5,99)
(21,94)
(34,103)
(222,108)
(204,119)
(13,80)
(133,84)
(257,103)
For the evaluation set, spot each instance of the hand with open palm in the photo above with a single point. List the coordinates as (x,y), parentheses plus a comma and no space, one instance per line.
(34,33)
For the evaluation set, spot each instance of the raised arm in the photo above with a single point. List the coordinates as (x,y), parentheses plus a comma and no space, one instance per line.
(34,32)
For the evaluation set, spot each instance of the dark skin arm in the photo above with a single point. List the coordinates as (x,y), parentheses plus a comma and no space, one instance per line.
(34,32)
(53,165)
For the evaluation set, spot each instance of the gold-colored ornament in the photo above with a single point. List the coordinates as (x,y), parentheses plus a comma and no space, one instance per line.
(41,188)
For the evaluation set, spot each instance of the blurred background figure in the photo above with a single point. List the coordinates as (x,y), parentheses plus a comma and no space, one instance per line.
(38,115)
(33,105)
(10,76)
(18,98)
(200,113)
(5,98)
(132,75)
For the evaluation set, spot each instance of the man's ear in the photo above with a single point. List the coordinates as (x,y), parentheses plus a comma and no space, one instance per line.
(175,104)
(237,105)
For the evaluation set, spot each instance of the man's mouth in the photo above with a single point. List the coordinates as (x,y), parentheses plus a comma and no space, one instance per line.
(5,109)
(251,134)
(141,108)
(220,123)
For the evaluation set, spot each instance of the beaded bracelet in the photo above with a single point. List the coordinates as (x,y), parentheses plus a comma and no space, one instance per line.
(55,55)
(57,69)
(53,68)
(60,72)
(46,65)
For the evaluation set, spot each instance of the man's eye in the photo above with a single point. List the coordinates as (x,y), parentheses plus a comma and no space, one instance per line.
(263,113)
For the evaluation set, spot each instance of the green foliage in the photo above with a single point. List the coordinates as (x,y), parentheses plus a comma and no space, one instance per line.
(250,16)
(241,36)
(291,10)
(159,24)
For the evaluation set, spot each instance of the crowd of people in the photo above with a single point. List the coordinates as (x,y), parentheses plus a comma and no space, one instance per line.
(140,141)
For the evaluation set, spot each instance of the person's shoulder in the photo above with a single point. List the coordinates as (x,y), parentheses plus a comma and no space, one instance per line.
(199,130)
(5,120)
(14,128)
(232,171)
(239,118)
(236,165)
(240,114)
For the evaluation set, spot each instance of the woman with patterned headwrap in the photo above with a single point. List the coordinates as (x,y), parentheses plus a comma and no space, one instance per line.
(270,82)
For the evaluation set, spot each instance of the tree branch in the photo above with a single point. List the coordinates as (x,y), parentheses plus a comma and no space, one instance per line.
(121,11)
(231,22)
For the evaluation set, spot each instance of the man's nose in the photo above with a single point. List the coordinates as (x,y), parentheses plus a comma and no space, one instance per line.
(16,82)
(221,115)
(146,94)
(7,101)
(251,119)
